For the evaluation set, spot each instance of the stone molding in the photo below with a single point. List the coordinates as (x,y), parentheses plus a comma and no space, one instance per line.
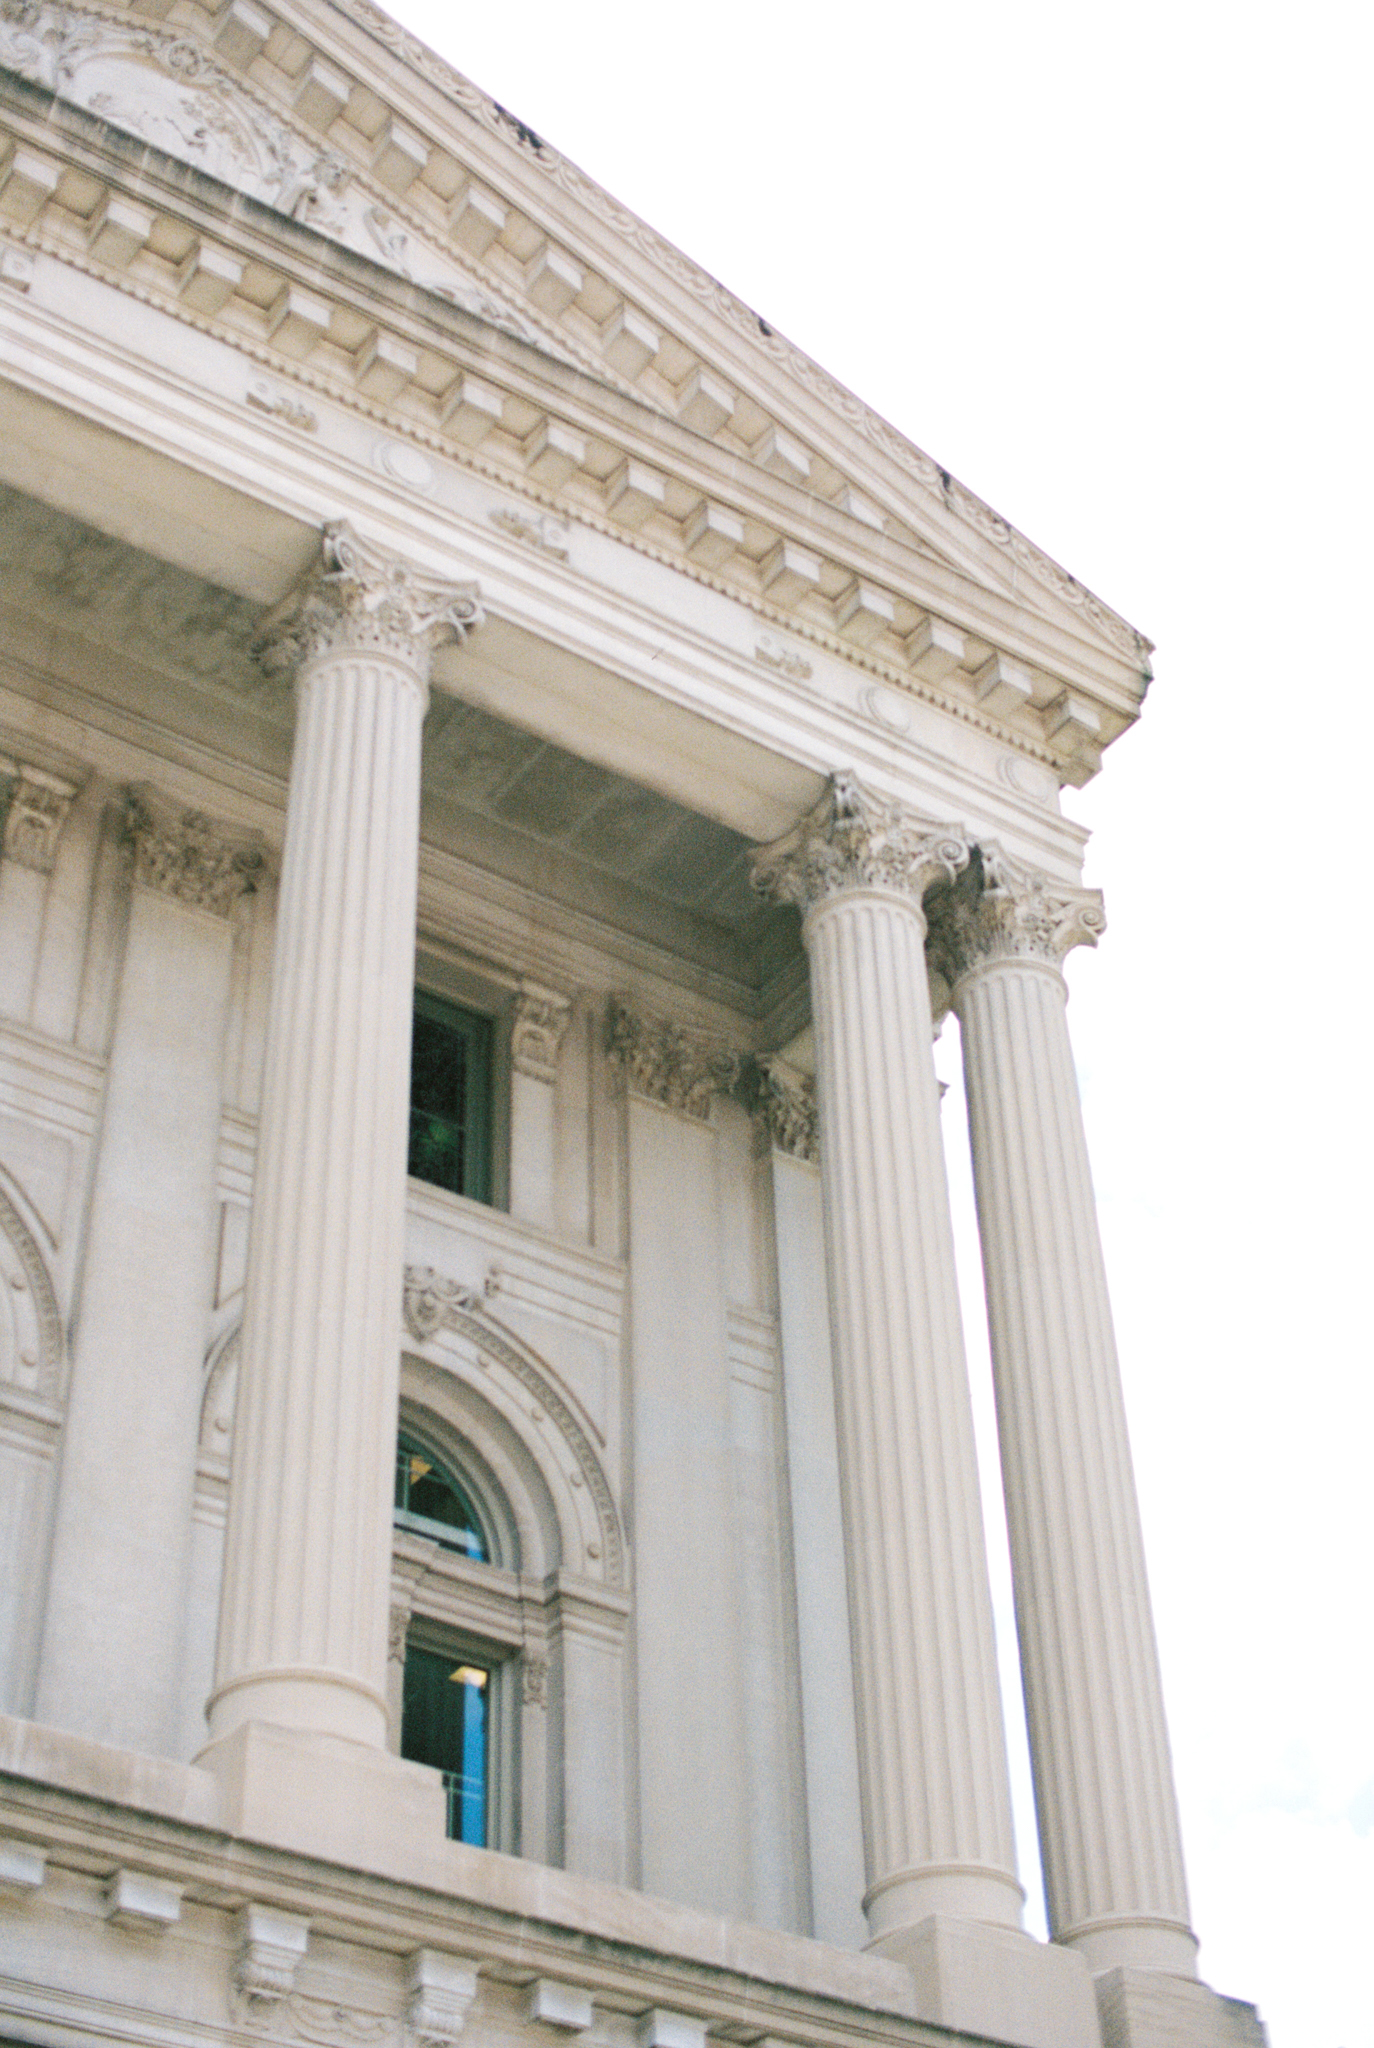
(782,1101)
(663,1063)
(1001,909)
(182,854)
(36,807)
(39,1362)
(539,1020)
(271,1949)
(855,839)
(441,1989)
(358,597)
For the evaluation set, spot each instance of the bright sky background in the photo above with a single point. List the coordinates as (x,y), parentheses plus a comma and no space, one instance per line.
(1111,266)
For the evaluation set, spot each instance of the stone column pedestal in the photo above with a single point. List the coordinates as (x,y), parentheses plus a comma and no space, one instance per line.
(303,1628)
(942,1890)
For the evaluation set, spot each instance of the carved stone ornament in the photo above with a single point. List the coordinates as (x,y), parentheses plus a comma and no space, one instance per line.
(537,1028)
(359,597)
(855,839)
(534,1689)
(430,1302)
(183,855)
(783,1103)
(36,810)
(442,1988)
(668,1065)
(271,1949)
(999,909)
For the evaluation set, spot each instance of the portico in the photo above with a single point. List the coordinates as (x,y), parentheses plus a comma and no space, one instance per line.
(424,596)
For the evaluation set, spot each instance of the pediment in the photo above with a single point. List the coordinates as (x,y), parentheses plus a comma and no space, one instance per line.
(510,312)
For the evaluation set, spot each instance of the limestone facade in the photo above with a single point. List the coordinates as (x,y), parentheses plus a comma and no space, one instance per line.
(428,603)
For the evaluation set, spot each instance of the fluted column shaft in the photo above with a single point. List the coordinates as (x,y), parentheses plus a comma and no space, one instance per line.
(932,1756)
(1104,1787)
(303,1624)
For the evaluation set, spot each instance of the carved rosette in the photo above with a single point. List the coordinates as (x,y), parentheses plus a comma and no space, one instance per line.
(784,1108)
(360,599)
(668,1065)
(184,856)
(1000,909)
(537,1026)
(36,807)
(855,839)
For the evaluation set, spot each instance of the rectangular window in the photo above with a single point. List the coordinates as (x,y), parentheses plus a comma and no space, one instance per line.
(444,1723)
(450,1098)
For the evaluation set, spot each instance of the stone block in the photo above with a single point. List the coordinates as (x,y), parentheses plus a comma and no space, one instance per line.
(1152,2009)
(997,1981)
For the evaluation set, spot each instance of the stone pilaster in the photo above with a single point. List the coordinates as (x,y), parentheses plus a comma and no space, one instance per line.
(120,1559)
(932,1757)
(539,1020)
(1104,1788)
(303,1628)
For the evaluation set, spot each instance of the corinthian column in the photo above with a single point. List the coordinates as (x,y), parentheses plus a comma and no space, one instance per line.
(932,1756)
(303,1622)
(1104,1787)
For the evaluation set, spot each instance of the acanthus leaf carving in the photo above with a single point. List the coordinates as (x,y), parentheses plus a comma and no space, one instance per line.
(358,596)
(782,1101)
(666,1064)
(855,839)
(181,854)
(1002,909)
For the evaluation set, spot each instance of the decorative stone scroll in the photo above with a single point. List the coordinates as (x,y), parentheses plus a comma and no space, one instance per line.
(271,1949)
(539,1021)
(665,1064)
(442,1988)
(1000,909)
(36,810)
(183,855)
(358,596)
(856,839)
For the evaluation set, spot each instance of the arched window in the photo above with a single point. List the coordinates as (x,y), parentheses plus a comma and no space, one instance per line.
(430,1501)
(453,1684)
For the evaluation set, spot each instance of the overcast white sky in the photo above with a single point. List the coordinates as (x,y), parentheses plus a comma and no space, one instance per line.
(1111,266)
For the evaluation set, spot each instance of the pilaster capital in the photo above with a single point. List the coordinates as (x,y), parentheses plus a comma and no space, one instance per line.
(1000,909)
(35,810)
(539,1020)
(782,1100)
(357,597)
(181,854)
(855,839)
(678,1069)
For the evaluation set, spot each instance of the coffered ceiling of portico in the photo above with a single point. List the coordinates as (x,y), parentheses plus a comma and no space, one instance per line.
(416,253)
(161,658)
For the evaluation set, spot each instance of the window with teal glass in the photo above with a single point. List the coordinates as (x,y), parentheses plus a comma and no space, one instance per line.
(450,1098)
(445,1715)
(430,1501)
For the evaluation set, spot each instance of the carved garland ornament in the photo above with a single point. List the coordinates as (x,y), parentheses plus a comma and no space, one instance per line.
(855,839)
(184,857)
(999,909)
(359,597)
(432,1303)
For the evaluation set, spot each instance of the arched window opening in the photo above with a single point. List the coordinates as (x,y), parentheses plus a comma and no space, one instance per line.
(430,1501)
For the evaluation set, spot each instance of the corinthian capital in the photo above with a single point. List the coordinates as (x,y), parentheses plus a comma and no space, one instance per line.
(854,839)
(668,1065)
(1002,910)
(359,597)
(182,855)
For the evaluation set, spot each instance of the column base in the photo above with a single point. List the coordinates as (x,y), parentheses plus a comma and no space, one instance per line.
(322,1795)
(1149,2009)
(998,1982)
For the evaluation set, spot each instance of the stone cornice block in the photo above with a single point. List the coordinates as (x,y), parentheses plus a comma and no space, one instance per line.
(271,1949)
(149,1904)
(661,2028)
(21,1868)
(441,1989)
(557,2004)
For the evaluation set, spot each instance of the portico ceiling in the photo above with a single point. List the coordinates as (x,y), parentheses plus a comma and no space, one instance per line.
(142,646)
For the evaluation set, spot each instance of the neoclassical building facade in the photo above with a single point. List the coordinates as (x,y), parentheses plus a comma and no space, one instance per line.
(505,768)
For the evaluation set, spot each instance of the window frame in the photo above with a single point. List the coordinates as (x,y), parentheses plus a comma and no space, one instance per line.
(478,1030)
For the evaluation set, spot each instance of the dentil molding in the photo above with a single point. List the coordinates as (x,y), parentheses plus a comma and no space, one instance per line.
(359,597)
(855,839)
(1001,909)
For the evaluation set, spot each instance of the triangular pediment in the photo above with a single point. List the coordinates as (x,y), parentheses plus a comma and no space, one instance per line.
(536,325)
